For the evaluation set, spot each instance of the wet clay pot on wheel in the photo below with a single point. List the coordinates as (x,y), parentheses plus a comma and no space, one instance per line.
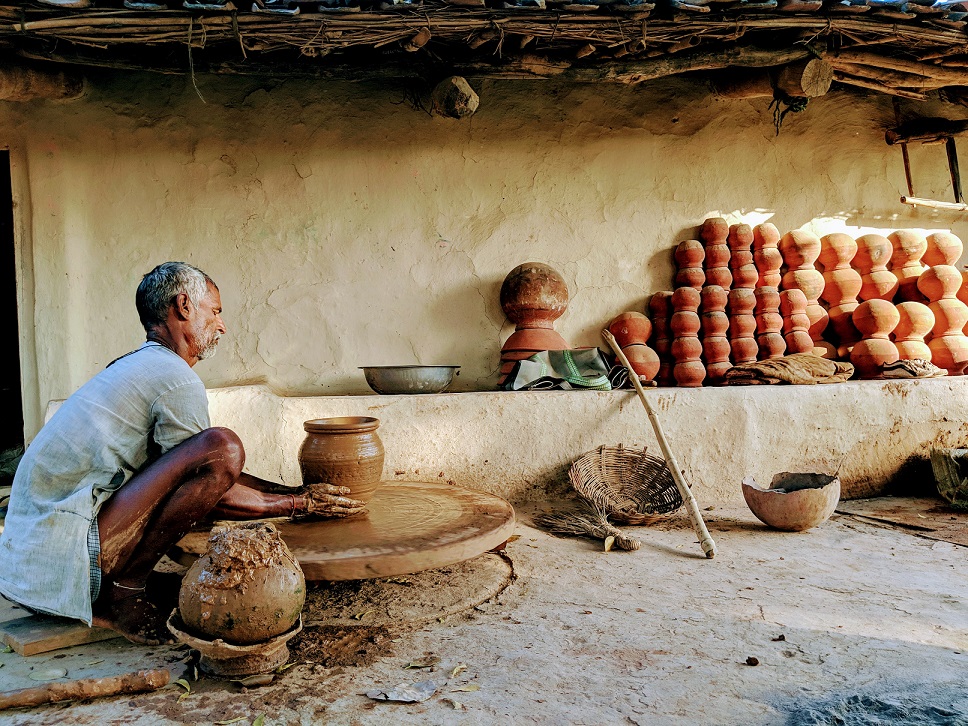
(344,451)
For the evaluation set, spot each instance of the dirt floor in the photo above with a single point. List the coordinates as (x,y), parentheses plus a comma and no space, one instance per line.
(849,623)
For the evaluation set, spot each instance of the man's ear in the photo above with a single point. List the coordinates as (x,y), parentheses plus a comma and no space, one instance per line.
(182,306)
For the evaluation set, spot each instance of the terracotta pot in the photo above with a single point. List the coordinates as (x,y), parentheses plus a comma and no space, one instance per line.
(943,248)
(689,256)
(630,328)
(876,320)
(794,502)
(343,451)
(916,321)
(247,588)
(643,360)
(534,340)
(515,355)
(534,295)
(714,231)
(873,255)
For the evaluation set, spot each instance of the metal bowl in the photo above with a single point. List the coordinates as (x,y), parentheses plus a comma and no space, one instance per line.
(390,380)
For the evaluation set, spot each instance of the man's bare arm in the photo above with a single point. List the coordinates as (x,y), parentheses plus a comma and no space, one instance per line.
(255,498)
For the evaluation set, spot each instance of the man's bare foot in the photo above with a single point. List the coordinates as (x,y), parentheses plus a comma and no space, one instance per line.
(128,611)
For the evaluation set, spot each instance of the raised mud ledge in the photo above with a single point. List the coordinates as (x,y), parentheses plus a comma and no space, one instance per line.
(519,445)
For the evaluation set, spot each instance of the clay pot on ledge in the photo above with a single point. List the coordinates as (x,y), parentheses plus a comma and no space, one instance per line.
(630,328)
(534,295)
(343,451)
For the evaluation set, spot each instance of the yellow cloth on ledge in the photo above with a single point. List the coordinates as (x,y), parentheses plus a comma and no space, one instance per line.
(799,368)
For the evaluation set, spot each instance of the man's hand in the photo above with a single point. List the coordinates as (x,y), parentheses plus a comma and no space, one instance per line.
(326,500)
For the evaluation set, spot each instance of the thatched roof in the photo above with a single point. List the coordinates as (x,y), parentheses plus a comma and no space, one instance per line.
(904,48)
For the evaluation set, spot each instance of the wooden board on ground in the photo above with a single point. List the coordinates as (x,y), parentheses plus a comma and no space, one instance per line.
(407,527)
(39,634)
(924,516)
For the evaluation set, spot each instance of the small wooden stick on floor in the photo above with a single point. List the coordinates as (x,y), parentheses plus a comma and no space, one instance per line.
(137,682)
(705,540)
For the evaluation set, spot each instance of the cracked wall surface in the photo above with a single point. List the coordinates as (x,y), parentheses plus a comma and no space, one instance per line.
(345,228)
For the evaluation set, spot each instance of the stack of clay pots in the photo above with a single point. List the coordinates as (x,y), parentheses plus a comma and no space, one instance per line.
(632,331)
(743,294)
(533,296)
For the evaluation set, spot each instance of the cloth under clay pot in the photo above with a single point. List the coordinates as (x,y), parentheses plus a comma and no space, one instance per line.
(247,588)
(344,451)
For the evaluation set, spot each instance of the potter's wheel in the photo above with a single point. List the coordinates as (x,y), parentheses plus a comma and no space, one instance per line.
(407,527)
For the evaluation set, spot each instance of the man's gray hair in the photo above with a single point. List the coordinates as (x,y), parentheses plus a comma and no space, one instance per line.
(159,288)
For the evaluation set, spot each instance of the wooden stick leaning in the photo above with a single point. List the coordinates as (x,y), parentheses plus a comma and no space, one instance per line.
(705,540)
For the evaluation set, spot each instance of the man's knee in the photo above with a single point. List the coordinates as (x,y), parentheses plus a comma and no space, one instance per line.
(226,444)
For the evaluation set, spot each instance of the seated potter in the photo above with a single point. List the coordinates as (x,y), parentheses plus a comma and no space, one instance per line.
(128,465)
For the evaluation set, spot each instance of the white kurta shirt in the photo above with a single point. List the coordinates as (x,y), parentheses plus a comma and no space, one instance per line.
(133,411)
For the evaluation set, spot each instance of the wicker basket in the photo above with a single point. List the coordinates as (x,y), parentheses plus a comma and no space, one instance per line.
(630,486)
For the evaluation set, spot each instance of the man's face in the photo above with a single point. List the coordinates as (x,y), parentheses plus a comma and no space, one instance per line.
(208,327)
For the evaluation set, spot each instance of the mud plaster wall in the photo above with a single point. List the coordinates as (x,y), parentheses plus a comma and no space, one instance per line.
(345,228)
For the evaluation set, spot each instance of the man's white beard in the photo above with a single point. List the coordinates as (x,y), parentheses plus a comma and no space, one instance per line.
(210,349)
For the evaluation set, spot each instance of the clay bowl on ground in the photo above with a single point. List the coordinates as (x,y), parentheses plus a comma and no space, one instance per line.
(794,502)
(391,380)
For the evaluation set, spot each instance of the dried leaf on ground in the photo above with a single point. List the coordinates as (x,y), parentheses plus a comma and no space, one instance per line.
(428,662)
(456,705)
(47,674)
(405,692)
(467,688)
(259,679)
(231,720)
(458,669)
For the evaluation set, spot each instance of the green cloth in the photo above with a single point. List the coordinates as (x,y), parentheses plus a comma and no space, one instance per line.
(581,368)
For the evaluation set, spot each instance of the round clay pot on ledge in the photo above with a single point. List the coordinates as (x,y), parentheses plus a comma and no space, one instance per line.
(534,295)
(631,328)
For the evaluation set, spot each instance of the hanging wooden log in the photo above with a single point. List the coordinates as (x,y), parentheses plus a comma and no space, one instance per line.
(743,56)
(852,80)
(847,60)
(898,79)
(806,78)
(453,97)
(742,84)
(926,130)
(418,41)
(18,83)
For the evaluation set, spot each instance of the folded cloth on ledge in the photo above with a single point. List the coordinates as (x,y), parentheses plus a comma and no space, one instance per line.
(800,368)
(560,370)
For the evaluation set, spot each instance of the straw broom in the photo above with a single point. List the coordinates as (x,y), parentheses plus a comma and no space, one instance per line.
(587,522)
